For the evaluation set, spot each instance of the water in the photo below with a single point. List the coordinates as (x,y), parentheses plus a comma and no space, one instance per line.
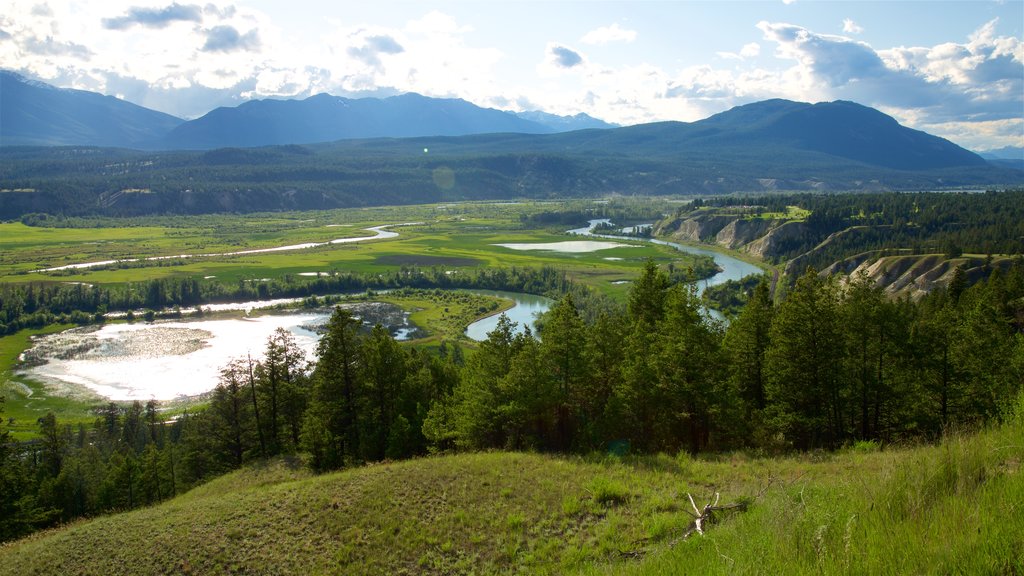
(527,308)
(159,361)
(168,360)
(379,233)
(731,268)
(567,247)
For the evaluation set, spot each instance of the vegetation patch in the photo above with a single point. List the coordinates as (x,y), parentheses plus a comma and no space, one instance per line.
(425,260)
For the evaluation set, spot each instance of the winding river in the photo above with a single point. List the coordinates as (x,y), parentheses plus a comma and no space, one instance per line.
(379,233)
(183,358)
(528,306)
(731,268)
(525,311)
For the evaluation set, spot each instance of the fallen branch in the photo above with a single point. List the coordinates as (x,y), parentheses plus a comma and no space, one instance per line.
(702,517)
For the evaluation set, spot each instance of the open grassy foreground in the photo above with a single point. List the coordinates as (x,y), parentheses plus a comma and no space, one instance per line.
(956,507)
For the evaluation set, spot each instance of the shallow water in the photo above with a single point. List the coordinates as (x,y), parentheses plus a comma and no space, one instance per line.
(160,361)
(568,247)
(167,360)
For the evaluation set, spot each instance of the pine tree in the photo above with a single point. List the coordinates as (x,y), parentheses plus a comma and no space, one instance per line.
(805,390)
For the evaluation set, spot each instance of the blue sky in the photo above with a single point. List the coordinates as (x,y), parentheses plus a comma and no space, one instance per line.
(955,69)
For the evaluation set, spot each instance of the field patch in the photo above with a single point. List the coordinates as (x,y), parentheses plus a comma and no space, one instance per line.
(425,260)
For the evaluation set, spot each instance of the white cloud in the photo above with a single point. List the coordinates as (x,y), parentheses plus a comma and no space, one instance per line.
(607,34)
(851,27)
(750,50)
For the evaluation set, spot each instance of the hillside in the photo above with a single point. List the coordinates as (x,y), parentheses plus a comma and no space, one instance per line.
(857,511)
(324,118)
(908,244)
(37,114)
(754,148)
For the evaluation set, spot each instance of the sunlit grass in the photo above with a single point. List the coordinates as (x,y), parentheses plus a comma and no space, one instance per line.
(950,508)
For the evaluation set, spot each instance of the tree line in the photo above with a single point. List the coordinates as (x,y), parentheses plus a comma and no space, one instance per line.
(38,304)
(833,363)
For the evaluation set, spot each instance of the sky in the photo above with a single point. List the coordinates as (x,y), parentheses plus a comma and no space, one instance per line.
(954,69)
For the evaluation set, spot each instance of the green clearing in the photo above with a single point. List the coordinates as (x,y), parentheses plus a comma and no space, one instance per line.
(953,507)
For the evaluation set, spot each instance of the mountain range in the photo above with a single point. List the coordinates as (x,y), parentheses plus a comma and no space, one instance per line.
(331,152)
(35,113)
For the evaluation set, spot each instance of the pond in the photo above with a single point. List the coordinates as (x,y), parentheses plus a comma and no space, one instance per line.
(567,247)
(168,360)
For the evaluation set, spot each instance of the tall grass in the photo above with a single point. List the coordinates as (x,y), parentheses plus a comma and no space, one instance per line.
(952,508)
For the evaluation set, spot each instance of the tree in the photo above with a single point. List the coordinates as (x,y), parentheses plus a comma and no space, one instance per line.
(281,382)
(563,350)
(331,426)
(230,415)
(745,344)
(384,370)
(804,389)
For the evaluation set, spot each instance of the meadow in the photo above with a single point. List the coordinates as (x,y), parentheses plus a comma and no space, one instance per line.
(451,236)
(948,508)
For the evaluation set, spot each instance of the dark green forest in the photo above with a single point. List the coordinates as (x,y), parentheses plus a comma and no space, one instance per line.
(829,366)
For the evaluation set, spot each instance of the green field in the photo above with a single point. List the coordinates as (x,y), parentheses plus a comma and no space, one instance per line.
(949,508)
(450,236)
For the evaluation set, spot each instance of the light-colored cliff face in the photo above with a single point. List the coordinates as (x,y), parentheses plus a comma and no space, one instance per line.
(755,235)
(916,275)
(767,246)
(898,272)
(739,233)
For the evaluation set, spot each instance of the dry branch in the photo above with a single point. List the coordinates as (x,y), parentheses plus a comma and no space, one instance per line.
(702,517)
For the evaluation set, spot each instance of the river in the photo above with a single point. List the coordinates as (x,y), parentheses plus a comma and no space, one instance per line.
(525,311)
(379,233)
(731,268)
(171,359)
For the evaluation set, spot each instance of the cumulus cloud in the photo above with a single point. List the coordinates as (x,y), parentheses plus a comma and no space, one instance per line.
(42,10)
(750,50)
(942,88)
(228,39)
(607,34)
(372,47)
(51,47)
(155,17)
(851,27)
(564,57)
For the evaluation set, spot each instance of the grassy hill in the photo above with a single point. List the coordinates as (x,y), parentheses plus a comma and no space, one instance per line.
(955,507)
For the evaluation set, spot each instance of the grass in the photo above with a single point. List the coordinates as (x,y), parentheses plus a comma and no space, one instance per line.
(27,400)
(445,239)
(954,507)
(444,314)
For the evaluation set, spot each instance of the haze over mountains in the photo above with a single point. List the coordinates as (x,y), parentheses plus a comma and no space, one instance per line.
(34,113)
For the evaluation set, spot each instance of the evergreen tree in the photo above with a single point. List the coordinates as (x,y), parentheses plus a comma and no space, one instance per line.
(331,426)
(805,387)
(745,344)
(563,350)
